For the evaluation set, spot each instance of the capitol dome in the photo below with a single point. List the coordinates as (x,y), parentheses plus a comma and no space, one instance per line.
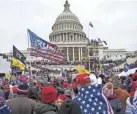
(67,33)
(67,15)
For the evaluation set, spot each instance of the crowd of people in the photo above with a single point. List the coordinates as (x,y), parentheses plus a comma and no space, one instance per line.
(85,94)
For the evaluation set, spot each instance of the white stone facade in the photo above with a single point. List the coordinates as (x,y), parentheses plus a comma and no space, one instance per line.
(67,33)
(114,54)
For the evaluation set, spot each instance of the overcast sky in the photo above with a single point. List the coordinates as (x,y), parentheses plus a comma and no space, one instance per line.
(114,20)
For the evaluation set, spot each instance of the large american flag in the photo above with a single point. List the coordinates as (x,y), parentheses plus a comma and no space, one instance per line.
(92,100)
(44,49)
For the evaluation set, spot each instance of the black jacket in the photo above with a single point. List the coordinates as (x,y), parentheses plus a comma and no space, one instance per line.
(69,107)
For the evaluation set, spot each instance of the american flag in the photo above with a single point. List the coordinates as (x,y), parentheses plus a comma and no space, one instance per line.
(92,100)
(44,49)
(133,107)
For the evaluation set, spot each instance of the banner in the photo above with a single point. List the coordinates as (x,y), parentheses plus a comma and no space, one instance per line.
(18,55)
(17,63)
(9,76)
(42,48)
(82,70)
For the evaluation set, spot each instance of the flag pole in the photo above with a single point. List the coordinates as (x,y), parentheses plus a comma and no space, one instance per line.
(29,51)
(88,47)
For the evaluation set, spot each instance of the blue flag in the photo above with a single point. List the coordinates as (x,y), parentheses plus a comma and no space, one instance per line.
(126,67)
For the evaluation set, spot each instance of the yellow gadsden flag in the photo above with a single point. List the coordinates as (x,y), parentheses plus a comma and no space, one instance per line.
(17,63)
(82,70)
(8,76)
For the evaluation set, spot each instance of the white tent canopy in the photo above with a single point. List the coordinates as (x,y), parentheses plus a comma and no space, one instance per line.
(4,66)
(131,71)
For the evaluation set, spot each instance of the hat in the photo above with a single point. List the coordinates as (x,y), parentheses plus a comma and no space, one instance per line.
(83,79)
(22,89)
(66,85)
(63,97)
(49,94)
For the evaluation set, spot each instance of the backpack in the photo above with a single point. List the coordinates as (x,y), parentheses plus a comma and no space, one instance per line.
(116,106)
(133,89)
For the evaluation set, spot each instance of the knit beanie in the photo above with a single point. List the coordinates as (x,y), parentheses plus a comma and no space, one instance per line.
(62,97)
(66,85)
(22,89)
(83,79)
(49,94)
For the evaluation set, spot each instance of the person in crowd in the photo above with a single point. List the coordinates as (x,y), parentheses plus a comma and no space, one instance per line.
(60,100)
(6,89)
(47,104)
(69,107)
(21,104)
(90,96)
(132,86)
(103,79)
(131,104)
(33,93)
(4,109)
(66,85)
(113,99)
(121,94)
(129,80)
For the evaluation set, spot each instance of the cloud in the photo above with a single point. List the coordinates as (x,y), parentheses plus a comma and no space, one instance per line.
(114,20)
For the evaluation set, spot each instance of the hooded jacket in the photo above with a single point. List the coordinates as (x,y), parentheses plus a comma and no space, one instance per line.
(69,107)
(42,108)
(21,105)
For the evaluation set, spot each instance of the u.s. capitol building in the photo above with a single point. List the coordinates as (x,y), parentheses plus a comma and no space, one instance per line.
(67,34)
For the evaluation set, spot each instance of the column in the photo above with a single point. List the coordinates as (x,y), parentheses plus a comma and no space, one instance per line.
(73,54)
(63,38)
(80,37)
(55,38)
(79,53)
(59,37)
(67,54)
(66,37)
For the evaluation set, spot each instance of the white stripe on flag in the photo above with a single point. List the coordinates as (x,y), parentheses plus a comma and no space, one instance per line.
(110,111)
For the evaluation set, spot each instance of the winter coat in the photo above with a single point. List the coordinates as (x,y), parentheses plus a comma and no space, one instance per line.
(122,95)
(21,105)
(69,107)
(116,105)
(42,108)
